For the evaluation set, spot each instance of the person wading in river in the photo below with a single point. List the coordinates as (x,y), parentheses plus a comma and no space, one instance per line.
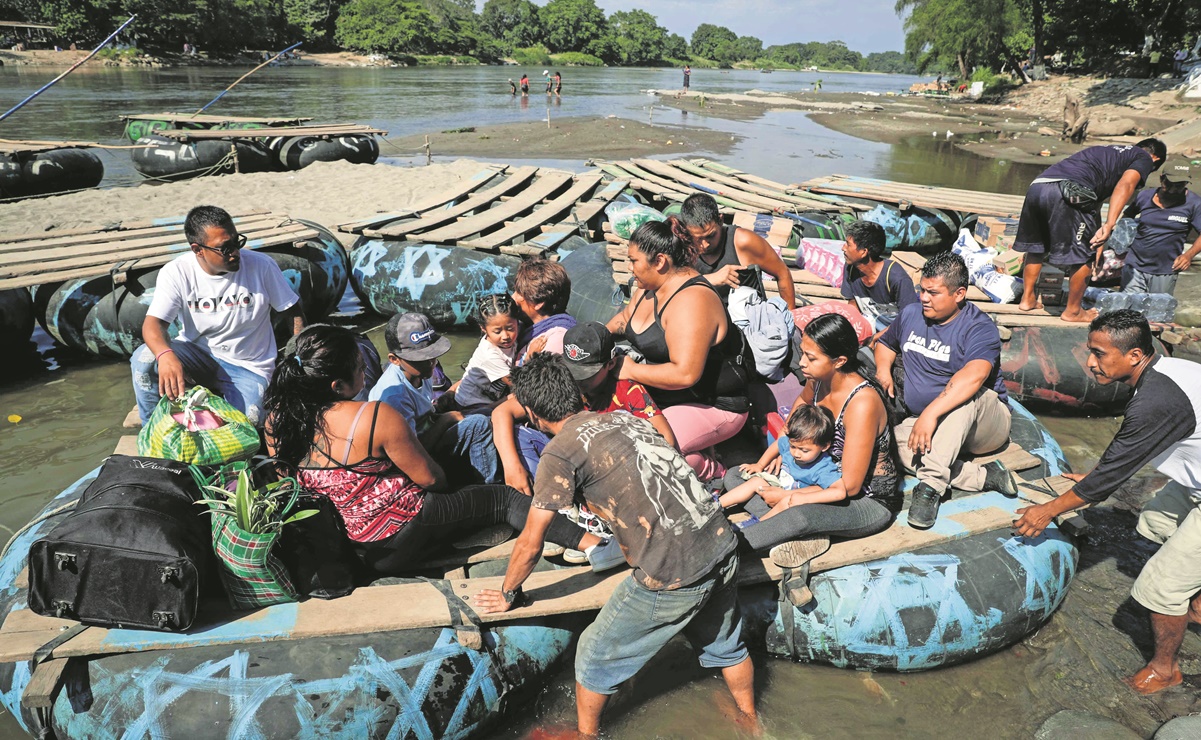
(1161,427)
(683,550)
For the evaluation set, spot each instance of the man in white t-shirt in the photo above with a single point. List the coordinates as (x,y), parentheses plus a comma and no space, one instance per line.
(222,298)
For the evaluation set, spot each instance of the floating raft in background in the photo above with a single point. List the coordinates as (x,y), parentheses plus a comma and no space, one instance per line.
(443,254)
(905,194)
(138,125)
(29,168)
(92,286)
(395,659)
(176,154)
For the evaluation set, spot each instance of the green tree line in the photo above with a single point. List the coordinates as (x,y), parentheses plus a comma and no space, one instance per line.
(577,29)
(960,36)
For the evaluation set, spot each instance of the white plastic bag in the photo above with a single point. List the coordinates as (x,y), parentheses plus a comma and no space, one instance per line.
(1001,288)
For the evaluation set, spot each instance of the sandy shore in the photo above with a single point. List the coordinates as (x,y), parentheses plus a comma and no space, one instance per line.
(327,192)
(571,138)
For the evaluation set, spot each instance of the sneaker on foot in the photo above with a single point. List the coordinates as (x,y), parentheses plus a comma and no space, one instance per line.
(551,550)
(575,557)
(998,478)
(923,507)
(795,553)
(606,556)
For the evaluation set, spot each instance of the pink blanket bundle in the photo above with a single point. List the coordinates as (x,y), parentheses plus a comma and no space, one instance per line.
(202,420)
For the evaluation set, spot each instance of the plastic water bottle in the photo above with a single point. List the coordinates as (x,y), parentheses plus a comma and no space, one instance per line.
(1139,302)
(1093,294)
(1112,301)
(1123,235)
(1161,307)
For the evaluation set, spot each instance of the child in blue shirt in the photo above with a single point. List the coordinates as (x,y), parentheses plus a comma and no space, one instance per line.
(805,464)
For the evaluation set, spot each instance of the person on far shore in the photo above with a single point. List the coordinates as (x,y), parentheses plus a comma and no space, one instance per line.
(525,85)
(687,76)
(1178,62)
(223,297)
(1161,427)
(1157,256)
(682,548)
(869,275)
(722,252)
(1063,207)
(954,392)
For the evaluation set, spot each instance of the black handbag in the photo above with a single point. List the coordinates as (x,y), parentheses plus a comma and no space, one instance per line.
(318,552)
(1078,196)
(135,553)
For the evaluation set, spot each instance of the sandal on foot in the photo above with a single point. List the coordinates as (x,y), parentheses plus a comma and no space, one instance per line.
(1149,681)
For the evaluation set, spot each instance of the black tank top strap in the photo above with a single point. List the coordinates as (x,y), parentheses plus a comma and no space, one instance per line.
(371,432)
(698,280)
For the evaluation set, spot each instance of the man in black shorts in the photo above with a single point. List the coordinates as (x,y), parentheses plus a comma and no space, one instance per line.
(1063,207)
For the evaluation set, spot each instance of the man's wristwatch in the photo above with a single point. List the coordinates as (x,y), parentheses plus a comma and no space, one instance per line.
(513,598)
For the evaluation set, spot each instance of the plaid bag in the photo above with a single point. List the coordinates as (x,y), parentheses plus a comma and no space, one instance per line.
(165,437)
(252,575)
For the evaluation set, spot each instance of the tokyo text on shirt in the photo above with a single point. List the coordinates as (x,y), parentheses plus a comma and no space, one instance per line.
(229,315)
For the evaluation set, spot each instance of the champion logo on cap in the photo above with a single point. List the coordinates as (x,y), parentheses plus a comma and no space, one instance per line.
(418,337)
(573,352)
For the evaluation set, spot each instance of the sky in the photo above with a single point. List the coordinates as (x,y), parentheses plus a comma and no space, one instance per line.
(865,25)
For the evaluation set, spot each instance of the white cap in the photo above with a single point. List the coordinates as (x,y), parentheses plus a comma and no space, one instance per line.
(546,71)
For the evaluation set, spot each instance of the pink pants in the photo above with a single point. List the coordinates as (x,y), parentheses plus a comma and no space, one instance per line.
(697,428)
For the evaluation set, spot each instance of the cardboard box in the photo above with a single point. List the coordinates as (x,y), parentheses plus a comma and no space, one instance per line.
(997,233)
(775,231)
(1008,262)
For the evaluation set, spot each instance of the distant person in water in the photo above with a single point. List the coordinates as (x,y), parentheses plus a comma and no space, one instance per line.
(512,87)
(525,85)
(558,83)
(687,76)
(550,83)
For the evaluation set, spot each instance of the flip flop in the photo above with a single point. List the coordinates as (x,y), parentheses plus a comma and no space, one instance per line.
(1148,681)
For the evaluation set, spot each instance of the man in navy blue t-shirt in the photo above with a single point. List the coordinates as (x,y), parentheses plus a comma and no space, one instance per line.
(869,274)
(1061,216)
(1165,217)
(954,392)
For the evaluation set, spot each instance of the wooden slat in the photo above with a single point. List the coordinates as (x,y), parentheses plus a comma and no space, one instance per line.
(341,129)
(87,235)
(444,198)
(806,201)
(32,146)
(581,218)
(914,261)
(208,118)
(685,191)
(127,445)
(715,189)
(551,210)
(966,201)
(739,174)
(433,220)
(546,185)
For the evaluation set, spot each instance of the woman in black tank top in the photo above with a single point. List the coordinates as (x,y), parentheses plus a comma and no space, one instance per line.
(693,362)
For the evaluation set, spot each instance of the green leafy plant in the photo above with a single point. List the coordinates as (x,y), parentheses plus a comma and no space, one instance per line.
(256,510)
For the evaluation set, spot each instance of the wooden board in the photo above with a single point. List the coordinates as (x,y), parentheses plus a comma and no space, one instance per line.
(444,198)
(551,210)
(691,182)
(28,146)
(127,445)
(544,187)
(409,606)
(45,260)
(333,129)
(518,179)
(903,194)
(210,118)
(665,183)
(807,200)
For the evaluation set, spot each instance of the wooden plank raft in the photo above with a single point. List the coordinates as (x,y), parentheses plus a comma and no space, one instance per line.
(317,130)
(31,146)
(210,119)
(49,259)
(529,211)
(906,194)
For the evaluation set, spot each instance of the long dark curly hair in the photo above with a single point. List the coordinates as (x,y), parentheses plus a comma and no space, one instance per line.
(301,390)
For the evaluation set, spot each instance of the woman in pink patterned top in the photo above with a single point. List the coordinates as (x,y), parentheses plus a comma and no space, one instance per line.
(388,495)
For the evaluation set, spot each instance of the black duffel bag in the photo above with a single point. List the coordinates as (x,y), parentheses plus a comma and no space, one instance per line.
(135,553)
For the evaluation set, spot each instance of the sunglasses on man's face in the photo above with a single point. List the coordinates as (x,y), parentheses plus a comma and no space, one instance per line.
(229,248)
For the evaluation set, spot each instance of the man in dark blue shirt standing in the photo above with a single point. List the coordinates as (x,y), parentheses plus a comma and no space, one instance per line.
(954,391)
(1061,216)
(1165,217)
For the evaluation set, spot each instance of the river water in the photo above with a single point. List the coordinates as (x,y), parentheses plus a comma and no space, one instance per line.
(70,408)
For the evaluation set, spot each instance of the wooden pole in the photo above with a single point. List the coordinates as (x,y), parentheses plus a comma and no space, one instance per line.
(429,157)
(73,67)
(256,69)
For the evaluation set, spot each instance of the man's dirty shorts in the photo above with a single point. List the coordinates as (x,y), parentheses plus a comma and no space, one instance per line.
(1172,576)
(1048,225)
(636,623)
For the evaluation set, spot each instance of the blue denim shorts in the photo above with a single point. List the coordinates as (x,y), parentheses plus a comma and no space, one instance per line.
(636,623)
